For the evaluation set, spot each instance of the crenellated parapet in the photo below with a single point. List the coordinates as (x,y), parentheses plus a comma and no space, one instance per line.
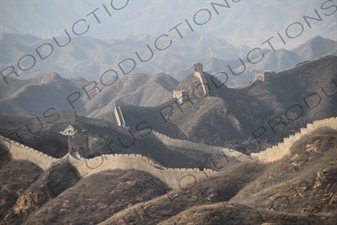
(171,176)
(283,148)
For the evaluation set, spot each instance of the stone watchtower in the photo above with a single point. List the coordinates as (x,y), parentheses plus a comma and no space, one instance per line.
(263,76)
(199,73)
(69,116)
(181,96)
(77,140)
(198,68)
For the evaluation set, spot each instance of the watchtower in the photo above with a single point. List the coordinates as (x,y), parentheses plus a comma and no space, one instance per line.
(69,116)
(263,76)
(260,76)
(198,68)
(198,72)
(181,96)
(77,140)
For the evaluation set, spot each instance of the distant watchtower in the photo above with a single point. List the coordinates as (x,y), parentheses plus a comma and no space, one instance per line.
(199,73)
(182,96)
(77,140)
(69,116)
(263,76)
(198,68)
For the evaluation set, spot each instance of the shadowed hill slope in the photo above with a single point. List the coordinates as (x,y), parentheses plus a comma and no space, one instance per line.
(32,97)
(135,89)
(105,138)
(302,182)
(86,203)
(298,189)
(316,47)
(231,214)
(281,105)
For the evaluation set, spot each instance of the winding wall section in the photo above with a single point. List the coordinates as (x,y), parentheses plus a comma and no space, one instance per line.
(173,177)
(279,151)
(198,146)
(19,151)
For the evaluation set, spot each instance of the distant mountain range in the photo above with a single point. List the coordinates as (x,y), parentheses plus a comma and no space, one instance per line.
(33,96)
(89,57)
(248,22)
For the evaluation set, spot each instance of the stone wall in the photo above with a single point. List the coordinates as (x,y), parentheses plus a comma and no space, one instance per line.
(119,117)
(171,176)
(180,96)
(21,152)
(203,81)
(279,151)
(198,146)
(174,177)
(68,116)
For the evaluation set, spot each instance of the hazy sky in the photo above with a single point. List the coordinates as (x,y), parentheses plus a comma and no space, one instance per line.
(243,22)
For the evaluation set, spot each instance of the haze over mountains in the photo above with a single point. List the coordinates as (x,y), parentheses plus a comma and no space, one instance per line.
(245,22)
(89,58)
(31,97)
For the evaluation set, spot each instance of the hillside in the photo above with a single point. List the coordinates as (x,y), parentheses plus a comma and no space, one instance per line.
(38,201)
(299,189)
(102,134)
(315,48)
(298,95)
(135,89)
(32,97)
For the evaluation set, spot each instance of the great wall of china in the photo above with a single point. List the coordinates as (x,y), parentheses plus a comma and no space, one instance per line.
(173,177)
(199,74)
(278,151)
(184,143)
(119,117)
(199,146)
(19,151)
(243,86)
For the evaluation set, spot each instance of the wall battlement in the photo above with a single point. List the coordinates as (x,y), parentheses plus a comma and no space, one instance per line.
(261,76)
(278,151)
(171,176)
